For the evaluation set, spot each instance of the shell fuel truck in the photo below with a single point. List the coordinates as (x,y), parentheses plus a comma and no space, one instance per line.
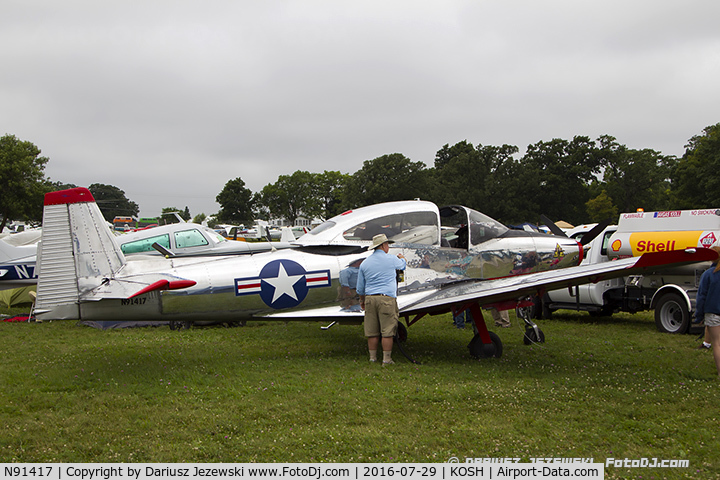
(669,292)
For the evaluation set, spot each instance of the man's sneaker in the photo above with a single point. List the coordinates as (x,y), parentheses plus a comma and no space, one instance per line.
(703,346)
(390,362)
(373,360)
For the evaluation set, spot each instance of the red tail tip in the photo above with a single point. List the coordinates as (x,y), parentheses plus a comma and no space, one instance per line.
(72,195)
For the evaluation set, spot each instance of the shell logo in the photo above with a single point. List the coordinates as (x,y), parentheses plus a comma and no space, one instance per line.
(616,245)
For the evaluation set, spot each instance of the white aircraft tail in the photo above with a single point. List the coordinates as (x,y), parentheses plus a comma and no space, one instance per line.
(77,252)
(287,235)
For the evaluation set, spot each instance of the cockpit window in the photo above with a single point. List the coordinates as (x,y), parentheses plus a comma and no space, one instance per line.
(484,228)
(463,227)
(411,227)
(189,238)
(145,244)
(215,235)
(322,227)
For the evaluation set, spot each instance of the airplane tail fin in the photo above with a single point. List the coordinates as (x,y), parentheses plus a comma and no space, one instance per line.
(287,235)
(77,252)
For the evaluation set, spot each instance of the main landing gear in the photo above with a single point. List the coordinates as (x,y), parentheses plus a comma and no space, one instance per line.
(486,344)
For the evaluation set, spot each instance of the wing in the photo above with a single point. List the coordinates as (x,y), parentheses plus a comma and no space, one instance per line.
(486,292)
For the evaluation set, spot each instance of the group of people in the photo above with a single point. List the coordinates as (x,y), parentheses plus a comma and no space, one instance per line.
(501,318)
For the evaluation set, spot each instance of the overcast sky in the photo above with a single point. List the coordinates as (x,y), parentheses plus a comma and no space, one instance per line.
(168,100)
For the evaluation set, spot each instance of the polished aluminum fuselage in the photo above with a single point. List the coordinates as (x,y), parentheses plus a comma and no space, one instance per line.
(299,279)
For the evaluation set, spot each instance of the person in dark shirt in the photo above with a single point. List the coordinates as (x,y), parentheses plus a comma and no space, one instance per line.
(707,306)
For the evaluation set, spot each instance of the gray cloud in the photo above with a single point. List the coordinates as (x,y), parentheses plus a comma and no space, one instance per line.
(169,100)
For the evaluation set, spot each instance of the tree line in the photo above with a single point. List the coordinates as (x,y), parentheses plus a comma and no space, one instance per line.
(579,180)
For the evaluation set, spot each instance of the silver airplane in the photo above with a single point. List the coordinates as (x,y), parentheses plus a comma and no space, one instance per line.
(457,259)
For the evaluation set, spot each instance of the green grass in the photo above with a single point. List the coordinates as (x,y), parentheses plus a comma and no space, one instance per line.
(276,392)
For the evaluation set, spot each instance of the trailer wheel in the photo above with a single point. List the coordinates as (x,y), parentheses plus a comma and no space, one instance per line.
(672,314)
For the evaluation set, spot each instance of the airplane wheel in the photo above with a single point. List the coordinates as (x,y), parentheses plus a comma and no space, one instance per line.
(531,337)
(174,325)
(187,324)
(481,350)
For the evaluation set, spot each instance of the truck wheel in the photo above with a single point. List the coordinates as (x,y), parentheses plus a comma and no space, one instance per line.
(671,314)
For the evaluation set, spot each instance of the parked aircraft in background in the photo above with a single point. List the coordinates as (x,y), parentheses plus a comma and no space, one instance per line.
(457,257)
(191,239)
(17,259)
(18,251)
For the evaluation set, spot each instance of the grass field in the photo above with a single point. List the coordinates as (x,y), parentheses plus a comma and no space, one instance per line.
(276,392)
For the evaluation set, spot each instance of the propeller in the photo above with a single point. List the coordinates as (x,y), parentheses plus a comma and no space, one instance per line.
(594,232)
(585,239)
(551,225)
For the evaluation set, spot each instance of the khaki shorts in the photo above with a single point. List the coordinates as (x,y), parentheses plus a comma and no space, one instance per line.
(381,316)
(712,320)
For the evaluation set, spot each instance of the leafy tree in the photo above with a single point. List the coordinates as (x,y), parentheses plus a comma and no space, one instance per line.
(329,189)
(185,214)
(385,179)
(113,202)
(449,186)
(477,177)
(696,176)
(236,203)
(292,196)
(634,178)
(555,176)
(601,208)
(199,218)
(22,180)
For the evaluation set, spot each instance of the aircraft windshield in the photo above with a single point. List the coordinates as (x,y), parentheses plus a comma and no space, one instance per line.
(411,227)
(484,228)
(463,227)
(190,238)
(322,227)
(145,244)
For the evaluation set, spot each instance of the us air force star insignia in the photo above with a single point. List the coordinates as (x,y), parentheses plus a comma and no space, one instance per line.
(282,283)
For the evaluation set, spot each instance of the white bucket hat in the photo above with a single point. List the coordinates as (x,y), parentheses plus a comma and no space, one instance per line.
(379,240)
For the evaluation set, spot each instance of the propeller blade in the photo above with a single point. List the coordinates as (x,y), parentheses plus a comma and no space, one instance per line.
(594,232)
(551,225)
